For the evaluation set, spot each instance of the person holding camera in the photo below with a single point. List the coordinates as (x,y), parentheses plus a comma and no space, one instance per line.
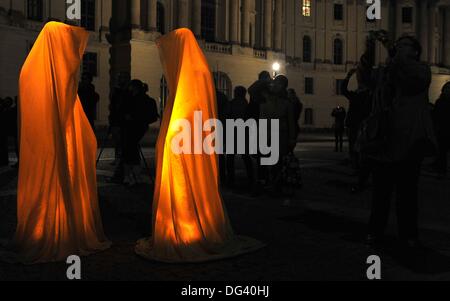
(405,136)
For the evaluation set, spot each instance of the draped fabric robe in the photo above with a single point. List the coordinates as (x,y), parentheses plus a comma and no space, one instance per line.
(57,206)
(190,223)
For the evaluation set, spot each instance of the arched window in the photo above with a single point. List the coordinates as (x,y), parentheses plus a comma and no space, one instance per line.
(209,20)
(160,18)
(223,83)
(307,46)
(338,51)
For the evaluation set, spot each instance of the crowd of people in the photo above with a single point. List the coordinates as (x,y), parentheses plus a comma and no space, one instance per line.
(390,123)
(269,98)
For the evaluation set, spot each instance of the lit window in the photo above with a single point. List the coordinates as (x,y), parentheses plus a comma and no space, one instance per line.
(306,8)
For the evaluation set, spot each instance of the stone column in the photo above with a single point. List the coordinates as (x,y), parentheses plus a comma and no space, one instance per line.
(197,17)
(424,33)
(152,13)
(245,23)
(432,34)
(268,14)
(234,21)
(135,14)
(183,13)
(447,38)
(278,26)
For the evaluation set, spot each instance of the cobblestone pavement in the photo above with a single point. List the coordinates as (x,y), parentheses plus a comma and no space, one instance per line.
(318,237)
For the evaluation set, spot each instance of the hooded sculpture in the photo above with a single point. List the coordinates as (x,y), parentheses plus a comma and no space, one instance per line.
(57,206)
(190,223)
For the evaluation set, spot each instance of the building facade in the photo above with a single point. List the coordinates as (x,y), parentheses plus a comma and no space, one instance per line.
(315,41)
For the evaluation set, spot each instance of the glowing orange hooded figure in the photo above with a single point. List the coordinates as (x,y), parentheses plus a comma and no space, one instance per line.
(190,223)
(57,206)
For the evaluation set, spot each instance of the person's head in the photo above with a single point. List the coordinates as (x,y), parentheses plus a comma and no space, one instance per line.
(279,85)
(408,47)
(240,92)
(265,76)
(135,87)
(446,90)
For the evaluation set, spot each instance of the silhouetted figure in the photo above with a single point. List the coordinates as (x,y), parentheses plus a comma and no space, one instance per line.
(139,112)
(223,113)
(297,106)
(258,92)
(88,97)
(13,130)
(359,110)
(339,115)
(238,111)
(401,93)
(277,106)
(5,105)
(441,116)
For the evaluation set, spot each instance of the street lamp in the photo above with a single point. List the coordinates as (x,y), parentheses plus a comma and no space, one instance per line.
(276,68)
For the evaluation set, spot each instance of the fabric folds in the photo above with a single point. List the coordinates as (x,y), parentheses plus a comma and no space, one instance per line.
(57,206)
(190,223)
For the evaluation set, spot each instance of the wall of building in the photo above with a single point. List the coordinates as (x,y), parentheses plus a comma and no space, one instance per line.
(236,28)
(17,35)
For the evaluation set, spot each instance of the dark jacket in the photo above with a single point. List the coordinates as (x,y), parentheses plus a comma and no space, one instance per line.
(441,118)
(411,132)
(359,105)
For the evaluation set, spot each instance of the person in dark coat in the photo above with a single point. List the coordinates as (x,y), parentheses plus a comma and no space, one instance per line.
(441,116)
(5,105)
(297,106)
(278,107)
(139,112)
(359,109)
(88,97)
(238,111)
(339,115)
(258,92)
(410,138)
